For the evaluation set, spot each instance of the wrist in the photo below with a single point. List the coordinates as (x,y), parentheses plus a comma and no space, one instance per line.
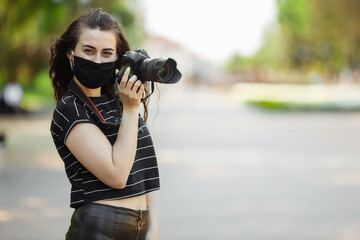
(131,109)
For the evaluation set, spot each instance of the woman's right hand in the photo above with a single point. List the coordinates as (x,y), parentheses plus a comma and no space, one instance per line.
(130,91)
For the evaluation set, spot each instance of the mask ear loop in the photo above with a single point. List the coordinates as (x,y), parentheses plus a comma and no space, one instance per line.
(71,63)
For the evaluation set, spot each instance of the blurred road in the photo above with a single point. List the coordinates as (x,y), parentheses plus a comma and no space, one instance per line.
(227,172)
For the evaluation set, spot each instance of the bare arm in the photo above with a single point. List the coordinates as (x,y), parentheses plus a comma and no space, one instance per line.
(153,233)
(110,164)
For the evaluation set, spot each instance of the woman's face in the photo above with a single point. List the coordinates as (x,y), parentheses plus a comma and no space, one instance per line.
(97,46)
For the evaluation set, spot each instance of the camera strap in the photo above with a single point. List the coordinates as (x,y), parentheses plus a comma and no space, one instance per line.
(152,91)
(75,88)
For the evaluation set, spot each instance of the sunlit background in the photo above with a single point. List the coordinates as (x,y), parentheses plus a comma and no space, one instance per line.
(259,139)
(213,30)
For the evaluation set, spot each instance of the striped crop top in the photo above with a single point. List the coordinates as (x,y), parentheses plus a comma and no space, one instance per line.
(85,187)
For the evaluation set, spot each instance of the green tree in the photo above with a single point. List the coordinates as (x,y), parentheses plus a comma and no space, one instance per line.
(320,35)
(27,27)
(295,26)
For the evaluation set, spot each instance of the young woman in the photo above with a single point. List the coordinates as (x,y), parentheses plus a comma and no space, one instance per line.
(100,135)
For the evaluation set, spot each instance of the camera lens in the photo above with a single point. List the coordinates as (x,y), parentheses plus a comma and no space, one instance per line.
(163,72)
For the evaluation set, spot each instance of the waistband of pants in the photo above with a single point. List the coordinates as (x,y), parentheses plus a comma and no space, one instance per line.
(119,210)
(96,221)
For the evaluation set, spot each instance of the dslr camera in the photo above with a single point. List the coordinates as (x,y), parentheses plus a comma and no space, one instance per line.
(161,70)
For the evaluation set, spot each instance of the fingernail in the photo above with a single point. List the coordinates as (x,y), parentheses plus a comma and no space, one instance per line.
(128,69)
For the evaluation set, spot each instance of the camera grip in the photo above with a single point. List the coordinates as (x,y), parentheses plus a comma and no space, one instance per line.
(121,72)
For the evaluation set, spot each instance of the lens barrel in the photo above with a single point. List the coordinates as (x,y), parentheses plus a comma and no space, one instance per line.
(162,70)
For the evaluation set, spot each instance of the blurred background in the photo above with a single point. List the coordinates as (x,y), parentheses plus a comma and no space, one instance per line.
(259,140)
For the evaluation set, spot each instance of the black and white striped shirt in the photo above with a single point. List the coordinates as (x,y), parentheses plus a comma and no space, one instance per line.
(85,187)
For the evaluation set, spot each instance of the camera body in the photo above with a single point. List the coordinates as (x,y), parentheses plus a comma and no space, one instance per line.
(162,70)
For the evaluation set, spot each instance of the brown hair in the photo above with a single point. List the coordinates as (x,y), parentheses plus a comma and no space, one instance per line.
(60,72)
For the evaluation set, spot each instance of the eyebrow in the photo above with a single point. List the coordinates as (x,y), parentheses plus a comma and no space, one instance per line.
(89,46)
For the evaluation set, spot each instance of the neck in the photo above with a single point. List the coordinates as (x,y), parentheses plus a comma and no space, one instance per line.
(88,91)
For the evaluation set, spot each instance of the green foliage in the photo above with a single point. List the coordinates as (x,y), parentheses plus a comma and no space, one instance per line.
(321,35)
(312,36)
(27,28)
(296,97)
(302,107)
(238,63)
(294,17)
(38,94)
(270,54)
(42,85)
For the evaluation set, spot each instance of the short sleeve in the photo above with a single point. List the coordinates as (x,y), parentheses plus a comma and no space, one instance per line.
(68,113)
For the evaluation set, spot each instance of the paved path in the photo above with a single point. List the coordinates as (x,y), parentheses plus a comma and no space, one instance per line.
(227,172)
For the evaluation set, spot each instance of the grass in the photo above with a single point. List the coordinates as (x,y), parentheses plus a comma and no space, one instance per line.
(306,98)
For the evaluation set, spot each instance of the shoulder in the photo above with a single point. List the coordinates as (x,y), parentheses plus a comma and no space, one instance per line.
(69,112)
(70,107)
(69,102)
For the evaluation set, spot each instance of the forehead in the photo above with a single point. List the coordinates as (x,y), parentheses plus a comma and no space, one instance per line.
(98,39)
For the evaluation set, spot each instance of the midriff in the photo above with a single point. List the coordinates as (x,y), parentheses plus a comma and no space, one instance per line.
(136,203)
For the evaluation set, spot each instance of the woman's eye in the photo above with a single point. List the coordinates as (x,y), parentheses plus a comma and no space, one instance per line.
(107,54)
(87,50)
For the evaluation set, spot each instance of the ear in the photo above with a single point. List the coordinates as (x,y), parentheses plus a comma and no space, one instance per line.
(69,55)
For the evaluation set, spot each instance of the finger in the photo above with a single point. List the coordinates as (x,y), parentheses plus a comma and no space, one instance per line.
(131,82)
(136,85)
(124,78)
(140,91)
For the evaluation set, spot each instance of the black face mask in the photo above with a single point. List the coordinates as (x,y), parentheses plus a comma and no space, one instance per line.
(93,75)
